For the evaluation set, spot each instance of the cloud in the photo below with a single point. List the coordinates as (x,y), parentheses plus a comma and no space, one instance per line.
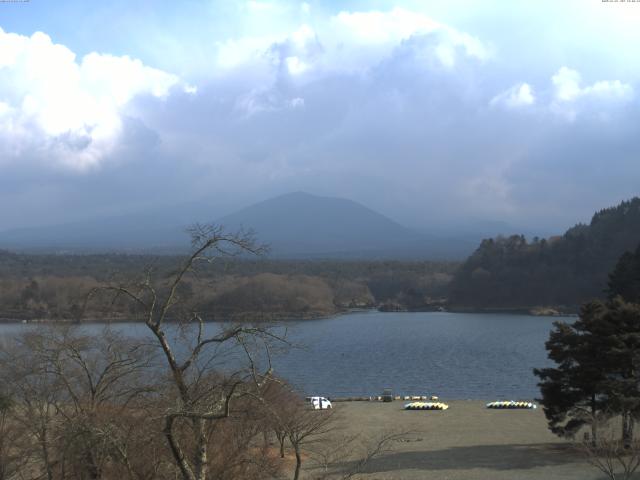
(404,122)
(345,103)
(68,110)
(568,88)
(567,84)
(350,42)
(520,95)
(265,100)
(384,27)
(296,102)
(268,70)
(261,7)
(571,98)
(390,28)
(295,66)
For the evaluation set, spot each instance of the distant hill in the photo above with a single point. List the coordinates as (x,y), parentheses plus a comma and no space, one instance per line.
(565,270)
(295,225)
(303,225)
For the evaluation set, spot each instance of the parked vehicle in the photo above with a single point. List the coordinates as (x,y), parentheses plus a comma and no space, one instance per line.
(387,395)
(320,403)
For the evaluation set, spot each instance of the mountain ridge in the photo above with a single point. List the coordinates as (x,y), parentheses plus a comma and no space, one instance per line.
(296,225)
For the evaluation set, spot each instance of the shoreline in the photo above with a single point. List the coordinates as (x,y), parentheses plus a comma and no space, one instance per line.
(286,318)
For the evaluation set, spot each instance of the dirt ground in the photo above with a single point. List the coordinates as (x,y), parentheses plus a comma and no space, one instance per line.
(466,442)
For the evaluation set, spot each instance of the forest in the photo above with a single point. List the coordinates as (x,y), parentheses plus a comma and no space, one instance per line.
(561,272)
(55,287)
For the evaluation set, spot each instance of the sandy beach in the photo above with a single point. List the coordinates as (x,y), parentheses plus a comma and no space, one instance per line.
(467,441)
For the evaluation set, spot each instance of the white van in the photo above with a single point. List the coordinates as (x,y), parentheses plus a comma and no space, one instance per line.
(320,403)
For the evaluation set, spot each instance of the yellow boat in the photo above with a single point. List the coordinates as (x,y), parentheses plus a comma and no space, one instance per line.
(426,406)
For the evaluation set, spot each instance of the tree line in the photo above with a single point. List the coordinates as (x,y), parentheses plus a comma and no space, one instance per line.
(565,271)
(53,287)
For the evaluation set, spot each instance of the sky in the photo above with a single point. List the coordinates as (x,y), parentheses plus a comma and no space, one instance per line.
(433,113)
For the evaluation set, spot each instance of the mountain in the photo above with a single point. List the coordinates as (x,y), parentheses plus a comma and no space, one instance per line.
(303,225)
(565,270)
(294,225)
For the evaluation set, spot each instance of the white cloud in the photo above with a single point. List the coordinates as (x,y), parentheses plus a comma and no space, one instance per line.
(567,84)
(567,87)
(348,42)
(5,109)
(394,26)
(296,66)
(610,89)
(265,100)
(70,109)
(520,95)
(190,89)
(571,98)
(233,52)
(302,36)
(297,102)
(384,27)
(261,7)
(265,54)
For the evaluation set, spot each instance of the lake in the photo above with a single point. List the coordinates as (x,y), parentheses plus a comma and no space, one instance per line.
(452,355)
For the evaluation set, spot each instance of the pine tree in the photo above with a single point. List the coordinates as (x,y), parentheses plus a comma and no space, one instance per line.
(573,393)
(598,369)
(619,328)
(624,281)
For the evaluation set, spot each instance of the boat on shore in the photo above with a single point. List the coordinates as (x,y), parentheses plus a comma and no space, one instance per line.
(511,404)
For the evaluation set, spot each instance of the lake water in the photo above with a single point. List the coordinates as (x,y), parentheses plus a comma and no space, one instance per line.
(452,355)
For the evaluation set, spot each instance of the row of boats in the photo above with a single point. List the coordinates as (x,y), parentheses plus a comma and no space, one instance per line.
(426,406)
(503,404)
(511,404)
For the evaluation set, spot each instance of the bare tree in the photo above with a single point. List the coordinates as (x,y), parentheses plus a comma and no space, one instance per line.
(12,438)
(305,427)
(237,451)
(278,402)
(191,350)
(72,392)
(37,394)
(313,434)
(615,457)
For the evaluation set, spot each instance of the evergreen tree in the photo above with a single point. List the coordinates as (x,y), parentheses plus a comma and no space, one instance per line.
(624,281)
(573,393)
(619,329)
(598,369)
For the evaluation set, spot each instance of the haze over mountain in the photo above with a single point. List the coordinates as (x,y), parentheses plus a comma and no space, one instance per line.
(295,225)
(159,231)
